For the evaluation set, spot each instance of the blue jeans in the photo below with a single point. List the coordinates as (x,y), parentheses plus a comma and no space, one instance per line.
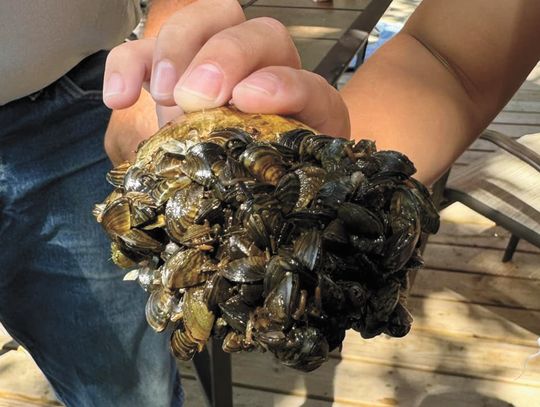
(60,296)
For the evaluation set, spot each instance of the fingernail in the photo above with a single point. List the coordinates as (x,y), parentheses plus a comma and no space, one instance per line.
(204,82)
(114,85)
(262,82)
(164,79)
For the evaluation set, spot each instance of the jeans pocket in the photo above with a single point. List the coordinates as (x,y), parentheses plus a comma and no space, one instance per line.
(76,91)
(85,81)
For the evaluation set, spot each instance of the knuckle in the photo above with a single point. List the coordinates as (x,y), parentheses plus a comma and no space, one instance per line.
(119,52)
(282,35)
(319,80)
(171,34)
(232,44)
(172,30)
(233,6)
(127,51)
(277,26)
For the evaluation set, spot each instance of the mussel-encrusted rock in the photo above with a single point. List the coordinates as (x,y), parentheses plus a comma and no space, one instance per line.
(257,230)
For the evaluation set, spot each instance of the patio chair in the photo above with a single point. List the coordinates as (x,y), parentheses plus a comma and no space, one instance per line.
(504,187)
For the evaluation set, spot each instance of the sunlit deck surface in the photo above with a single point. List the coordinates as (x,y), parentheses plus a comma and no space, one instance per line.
(476,321)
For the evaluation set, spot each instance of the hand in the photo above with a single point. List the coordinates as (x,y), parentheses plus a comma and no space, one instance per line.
(128,127)
(207,55)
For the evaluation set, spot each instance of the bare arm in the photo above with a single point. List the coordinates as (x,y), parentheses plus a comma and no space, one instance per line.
(433,88)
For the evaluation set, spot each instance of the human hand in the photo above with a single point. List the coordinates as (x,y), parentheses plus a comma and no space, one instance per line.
(127,127)
(207,55)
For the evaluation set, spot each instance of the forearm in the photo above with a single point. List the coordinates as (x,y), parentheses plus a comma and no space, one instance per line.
(434,87)
(406,100)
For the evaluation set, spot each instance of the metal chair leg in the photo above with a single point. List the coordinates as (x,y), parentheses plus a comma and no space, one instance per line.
(213,369)
(221,376)
(510,249)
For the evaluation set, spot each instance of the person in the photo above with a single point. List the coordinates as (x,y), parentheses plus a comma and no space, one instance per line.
(428,92)
(60,295)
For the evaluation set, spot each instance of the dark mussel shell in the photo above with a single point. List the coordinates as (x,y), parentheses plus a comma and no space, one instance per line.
(236,313)
(245,270)
(293,139)
(307,349)
(288,192)
(264,162)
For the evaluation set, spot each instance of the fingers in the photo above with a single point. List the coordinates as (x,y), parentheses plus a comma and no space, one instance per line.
(230,56)
(128,67)
(131,64)
(200,54)
(302,94)
(182,36)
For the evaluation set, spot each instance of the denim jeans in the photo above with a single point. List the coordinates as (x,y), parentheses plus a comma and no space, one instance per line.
(60,295)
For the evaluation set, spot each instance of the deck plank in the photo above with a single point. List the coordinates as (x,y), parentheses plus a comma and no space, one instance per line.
(528,118)
(22,383)
(459,319)
(478,236)
(470,156)
(453,355)
(515,130)
(485,261)
(478,288)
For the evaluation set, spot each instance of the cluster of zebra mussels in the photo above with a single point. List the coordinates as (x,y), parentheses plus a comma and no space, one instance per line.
(255,230)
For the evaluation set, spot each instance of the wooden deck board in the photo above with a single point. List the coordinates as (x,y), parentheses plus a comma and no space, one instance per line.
(515,130)
(426,351)
(461,319)
(508,116)
(473,235)
(481,289)
(485,261)
(21,382)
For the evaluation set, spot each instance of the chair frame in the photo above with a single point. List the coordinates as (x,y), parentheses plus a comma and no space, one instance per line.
(444,195)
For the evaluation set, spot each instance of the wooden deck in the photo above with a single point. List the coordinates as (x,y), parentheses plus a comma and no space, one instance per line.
(476,321)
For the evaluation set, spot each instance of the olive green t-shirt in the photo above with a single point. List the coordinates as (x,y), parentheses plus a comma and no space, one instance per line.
(41,40)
